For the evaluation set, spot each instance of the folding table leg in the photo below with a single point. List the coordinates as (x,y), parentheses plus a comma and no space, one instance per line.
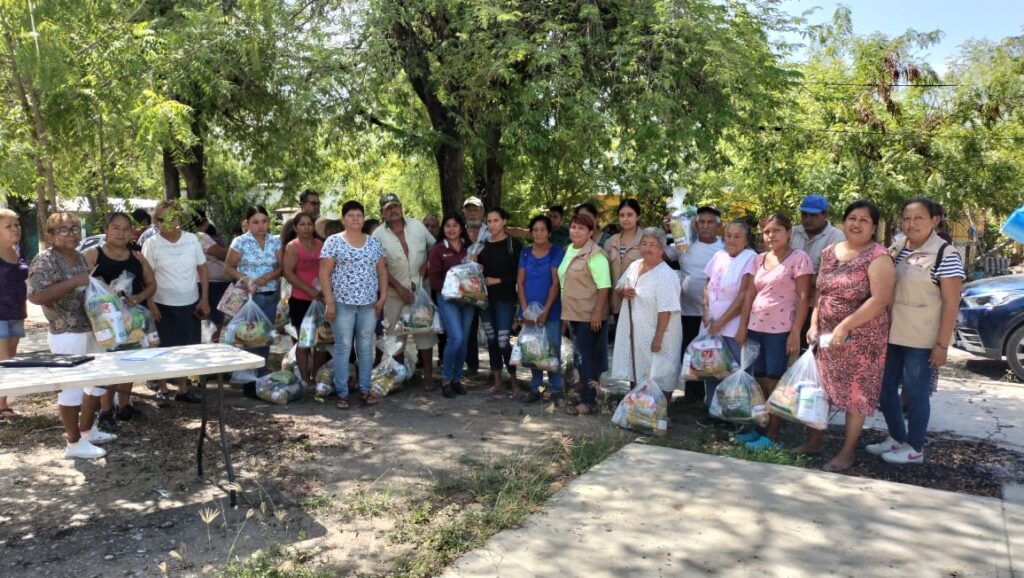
(202,428)
(225,445)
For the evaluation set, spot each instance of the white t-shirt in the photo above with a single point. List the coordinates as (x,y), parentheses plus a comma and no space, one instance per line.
(174,265)
(693,277)
(721,296)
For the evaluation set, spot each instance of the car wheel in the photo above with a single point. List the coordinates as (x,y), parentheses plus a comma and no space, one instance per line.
(1015,352)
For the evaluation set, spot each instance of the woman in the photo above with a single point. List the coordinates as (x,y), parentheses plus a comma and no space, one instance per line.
(57,280)
(108,262)
(256,257)
(301,268)
(730,275)
(854,288)
(649,336)
(777,308)
(499,261)
(13,273)
(216,252)
(456,317)
(623,248)
(182,298)
(929,277)
(586,281)
(599,235)
(354,281)
(537,282)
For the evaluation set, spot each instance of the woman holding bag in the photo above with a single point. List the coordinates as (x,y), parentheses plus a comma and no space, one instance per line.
(537,282)
(455,317)
(854,288)
(650,330)
(301,267)
(499,261)
(929,277)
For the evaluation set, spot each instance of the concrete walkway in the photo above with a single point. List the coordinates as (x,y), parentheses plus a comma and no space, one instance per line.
(653,511)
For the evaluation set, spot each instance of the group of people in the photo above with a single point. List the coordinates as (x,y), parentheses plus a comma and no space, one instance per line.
(889,313)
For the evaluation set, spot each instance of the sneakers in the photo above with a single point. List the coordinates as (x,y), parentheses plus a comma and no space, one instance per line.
(83,449)
(888,445)
(459,388)
(163,399)
(127,412)
(904,455)
(106,421)
(448,390)
(96,436)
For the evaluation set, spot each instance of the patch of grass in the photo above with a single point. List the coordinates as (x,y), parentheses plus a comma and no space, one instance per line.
(492,496)
(370,503)
(317,502)
(779,456)
(275,563)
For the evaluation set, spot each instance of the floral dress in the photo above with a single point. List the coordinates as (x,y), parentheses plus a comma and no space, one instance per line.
(851,374)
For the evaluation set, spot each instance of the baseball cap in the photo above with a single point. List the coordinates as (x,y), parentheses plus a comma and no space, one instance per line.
(814,204)
(473,201)
(389,199)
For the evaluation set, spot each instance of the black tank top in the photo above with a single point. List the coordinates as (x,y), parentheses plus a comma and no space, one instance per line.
(109,269)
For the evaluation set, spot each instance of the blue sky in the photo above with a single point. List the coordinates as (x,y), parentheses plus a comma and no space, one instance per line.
(960,20)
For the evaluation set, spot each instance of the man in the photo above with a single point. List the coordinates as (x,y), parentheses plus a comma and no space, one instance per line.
(559,230)
(433,224)
(811,236)
(406,243)
(814,232)
(692,262)
(473,210)
(309,203)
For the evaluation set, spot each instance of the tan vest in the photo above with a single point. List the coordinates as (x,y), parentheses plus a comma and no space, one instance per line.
(579,291)
(620,264)
(917,302)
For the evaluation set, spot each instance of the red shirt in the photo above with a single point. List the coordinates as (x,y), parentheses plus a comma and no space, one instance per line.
(441,258)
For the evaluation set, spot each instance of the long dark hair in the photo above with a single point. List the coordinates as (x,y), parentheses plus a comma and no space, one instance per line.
(463,234)
(288,234)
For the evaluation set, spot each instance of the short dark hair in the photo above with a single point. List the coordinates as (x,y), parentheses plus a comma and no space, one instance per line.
(709,209)
(352,206)
(140,215)
(304,196)
(541,219)
(501,213)
(560,209)
(934,209)
(590,208)
(254,210)
(876,215)
(453,216)
(782,220)
(585,220)
(632,204)
(115,215)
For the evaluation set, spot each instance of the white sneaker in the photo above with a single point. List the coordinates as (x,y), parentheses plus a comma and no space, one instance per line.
(904,455)
(95,436)
(889,445)
(83,449)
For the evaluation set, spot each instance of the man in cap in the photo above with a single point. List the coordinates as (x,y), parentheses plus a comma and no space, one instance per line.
(406,242)
(811,236)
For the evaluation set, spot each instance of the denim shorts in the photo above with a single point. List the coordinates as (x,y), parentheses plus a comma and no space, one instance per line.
(13,328)
(772,359)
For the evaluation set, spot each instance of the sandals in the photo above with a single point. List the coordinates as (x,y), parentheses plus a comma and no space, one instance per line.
(342,403)
(369,398)
(575,409)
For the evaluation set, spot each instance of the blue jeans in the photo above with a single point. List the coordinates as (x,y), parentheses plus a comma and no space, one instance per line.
(589,346)
(553,331)
(497,322)
(711,384)
(359,320)
(267,302)
(457,318)
(910,366)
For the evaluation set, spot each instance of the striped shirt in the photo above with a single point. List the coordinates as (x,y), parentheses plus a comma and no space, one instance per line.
(951,267)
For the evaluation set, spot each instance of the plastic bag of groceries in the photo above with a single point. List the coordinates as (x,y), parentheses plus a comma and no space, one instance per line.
(516,357)
(465,283)
(249,329)
(289,361)
(389,375)
(325,380)
(536,349)
(420,316)
(312,326)
(789,400)
(107,315)
(235,297)
(738,398)
(142,327)
(281,318)
(644,409)
(707,356)
(278,387)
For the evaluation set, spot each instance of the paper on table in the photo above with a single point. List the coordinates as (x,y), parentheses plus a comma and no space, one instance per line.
(144,354)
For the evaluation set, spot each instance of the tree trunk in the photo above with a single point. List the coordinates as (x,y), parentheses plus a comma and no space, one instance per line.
(194,170)
(490,170)
(172,180)
(451,162)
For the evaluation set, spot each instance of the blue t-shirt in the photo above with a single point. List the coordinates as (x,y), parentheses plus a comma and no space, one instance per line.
(538,277)
(354,278)
(256,261)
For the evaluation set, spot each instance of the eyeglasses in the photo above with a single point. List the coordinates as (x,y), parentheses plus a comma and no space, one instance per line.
(68,231)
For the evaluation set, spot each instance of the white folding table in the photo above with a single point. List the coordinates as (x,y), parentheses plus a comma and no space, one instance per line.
(111,368)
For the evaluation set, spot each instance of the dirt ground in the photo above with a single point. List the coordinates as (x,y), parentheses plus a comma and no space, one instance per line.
(310,476)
